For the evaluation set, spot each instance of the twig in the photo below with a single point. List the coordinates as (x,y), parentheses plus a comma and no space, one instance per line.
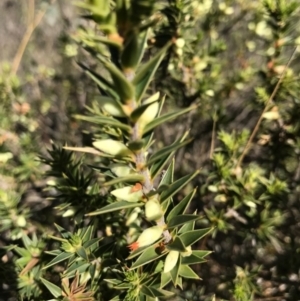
(33,22)
(254,132)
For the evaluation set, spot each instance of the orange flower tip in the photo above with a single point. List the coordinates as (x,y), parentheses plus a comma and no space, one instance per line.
(137,187)
(134,246)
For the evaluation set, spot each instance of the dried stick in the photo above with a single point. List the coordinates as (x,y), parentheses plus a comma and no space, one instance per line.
(33,22)
(256,128)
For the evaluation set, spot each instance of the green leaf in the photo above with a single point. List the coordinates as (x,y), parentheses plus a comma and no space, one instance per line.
(86,233)
(186,272)
(111,106)
(149,255)
(63,232)
(131,53)
(136,145)
(54,290)
(187,227)
(146,291)
(53,252)
(181,220)
(137,252)
(191,237)
(138,112)
(110,121)
(124,88)
(115,207)
(196,257)
(176,245)
(101,81)
(76,267)
(175,272)
(157,167)
(165,118)
(86,150)
(82,253)
(182,206)
(177,186)
(201,253)
(106,41)
(166,151)
(168,177)
(128,179)
(155,292)
(125,194)
(165,279)
(112,147)
(146,73)
(59,258)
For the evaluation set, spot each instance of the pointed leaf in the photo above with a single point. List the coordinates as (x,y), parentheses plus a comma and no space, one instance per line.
(157,167)
(92,242)
(106,121)
(133,178)
(175,272)
(82,253)
(63,232)
(165,279)
(164,118)
(191,237)
(166,151)
(121,170)
(182,206)
(139,111)
(111,106)
(171,261)
(192,260)
(136,145)
(86,150)
(77,267)
(146,291)
(176,245)
(177,186)
(182,219)
(186,272)
(156,292)
(133,50)
(124,88)
(112,147)
(59,258)
(187,227)
(115,207)
(168,177)
(138,251)
(101,81)
(53,289)
(86,233)
(196,258)
(147,256)
(127,194)
(146,73)
(201,253)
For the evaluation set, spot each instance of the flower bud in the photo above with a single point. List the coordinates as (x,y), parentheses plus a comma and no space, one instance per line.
(171,261)
(187,253)
(126,194)
(148,237)
(153,209)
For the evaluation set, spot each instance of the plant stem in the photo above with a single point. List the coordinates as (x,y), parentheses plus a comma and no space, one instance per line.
(140,161)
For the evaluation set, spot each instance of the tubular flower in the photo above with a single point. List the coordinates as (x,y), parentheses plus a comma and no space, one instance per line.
(171,261)
(148,237)
(153,209)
